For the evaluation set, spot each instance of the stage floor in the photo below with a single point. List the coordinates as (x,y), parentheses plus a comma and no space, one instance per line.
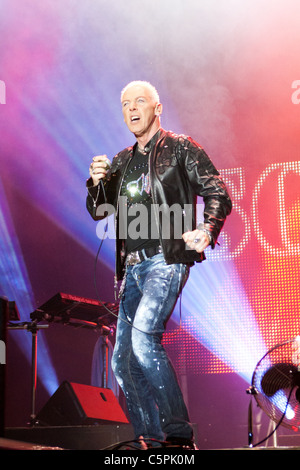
(106,437)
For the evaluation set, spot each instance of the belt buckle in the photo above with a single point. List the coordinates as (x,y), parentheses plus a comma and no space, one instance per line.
(133,258)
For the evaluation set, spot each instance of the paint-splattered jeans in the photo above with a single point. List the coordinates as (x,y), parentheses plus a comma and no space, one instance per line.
(140,363)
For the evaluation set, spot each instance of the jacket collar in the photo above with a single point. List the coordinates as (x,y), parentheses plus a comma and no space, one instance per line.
(149,146)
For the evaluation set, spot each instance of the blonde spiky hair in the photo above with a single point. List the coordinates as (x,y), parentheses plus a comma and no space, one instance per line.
(146,84)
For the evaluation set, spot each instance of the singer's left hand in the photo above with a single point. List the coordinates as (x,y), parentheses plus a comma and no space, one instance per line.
(197,240)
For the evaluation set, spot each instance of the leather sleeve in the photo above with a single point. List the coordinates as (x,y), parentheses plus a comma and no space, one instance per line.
(206,182)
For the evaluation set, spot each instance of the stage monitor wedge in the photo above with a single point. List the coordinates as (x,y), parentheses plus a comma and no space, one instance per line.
(76,404)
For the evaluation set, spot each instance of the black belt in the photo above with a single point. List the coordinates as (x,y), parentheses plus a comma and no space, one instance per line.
(135,257)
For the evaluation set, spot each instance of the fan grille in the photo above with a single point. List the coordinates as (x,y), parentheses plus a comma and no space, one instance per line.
(276,383)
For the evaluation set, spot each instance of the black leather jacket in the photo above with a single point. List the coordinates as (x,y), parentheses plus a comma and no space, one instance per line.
(179,171)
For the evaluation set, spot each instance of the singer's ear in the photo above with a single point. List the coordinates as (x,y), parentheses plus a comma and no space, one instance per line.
(158,109)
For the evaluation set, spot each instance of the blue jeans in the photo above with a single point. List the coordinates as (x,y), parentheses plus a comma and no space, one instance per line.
(140,363)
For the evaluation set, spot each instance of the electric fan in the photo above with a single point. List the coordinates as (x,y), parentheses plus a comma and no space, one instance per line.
(276,384)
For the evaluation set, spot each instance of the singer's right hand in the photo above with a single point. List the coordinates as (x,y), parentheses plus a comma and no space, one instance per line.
(98,168)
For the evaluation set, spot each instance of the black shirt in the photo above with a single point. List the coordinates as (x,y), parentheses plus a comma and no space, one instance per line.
(139,218)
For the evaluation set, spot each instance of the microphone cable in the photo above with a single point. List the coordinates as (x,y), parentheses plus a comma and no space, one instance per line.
(151,333)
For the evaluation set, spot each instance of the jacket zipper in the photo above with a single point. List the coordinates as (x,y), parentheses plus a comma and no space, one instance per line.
(117,211)
(153,198)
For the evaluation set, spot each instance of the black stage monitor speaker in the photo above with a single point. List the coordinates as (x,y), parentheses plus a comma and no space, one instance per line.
(76,404)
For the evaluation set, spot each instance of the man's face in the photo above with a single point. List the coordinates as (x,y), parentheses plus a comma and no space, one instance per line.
(140,110)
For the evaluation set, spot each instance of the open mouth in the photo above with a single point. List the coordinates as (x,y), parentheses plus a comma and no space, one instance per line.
(134,118)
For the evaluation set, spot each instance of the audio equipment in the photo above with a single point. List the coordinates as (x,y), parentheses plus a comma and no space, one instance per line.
(77,404)
(77,311)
